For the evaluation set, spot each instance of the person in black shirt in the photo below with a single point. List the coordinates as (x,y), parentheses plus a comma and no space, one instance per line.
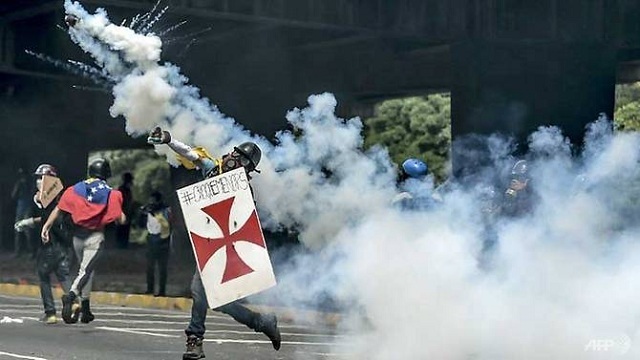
(53,256)
(156,218)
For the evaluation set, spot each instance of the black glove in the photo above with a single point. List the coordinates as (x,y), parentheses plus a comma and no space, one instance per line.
(158,136)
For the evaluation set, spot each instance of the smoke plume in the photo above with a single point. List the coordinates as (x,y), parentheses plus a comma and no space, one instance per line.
(560,283)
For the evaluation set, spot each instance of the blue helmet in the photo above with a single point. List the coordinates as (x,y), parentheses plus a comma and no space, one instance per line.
(415,168)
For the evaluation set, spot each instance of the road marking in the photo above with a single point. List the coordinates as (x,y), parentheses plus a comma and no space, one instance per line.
(229,322)
(162,322)
(241,332)
(130,331)
(321,354)
(219,341)
(18,356)
(243,341)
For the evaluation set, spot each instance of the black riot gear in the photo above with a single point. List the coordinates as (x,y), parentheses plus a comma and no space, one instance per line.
(251,155)
(45,169)
(99,168)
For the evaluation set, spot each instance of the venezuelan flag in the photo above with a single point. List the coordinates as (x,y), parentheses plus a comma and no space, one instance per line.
(92,203)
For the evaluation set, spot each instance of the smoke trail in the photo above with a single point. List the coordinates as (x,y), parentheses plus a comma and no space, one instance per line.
(148,94)
(559,284)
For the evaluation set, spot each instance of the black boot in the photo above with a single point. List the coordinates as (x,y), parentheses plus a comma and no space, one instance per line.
(70,308)
(269,326)
(87,316)
(194,348)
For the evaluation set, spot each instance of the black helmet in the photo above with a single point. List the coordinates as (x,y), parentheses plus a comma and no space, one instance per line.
(99,168)
(45,169)
(251,151)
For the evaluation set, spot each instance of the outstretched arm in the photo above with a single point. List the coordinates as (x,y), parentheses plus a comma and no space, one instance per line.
(159,136)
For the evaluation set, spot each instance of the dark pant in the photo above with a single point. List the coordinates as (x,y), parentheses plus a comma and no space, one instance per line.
(52,259)
(122,235)
(199,310)
(157,256)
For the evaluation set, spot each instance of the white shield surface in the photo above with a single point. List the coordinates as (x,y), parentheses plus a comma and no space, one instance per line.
(226,237)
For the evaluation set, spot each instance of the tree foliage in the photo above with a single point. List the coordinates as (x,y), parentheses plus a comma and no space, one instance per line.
(417,127)
(627,108)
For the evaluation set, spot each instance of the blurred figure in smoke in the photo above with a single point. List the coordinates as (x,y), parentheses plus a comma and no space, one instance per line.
(23,243)
(53,255)
(92,204)
(123,230)
(519,197)
(490,205)
(156,217)
(245,155)
(416,190)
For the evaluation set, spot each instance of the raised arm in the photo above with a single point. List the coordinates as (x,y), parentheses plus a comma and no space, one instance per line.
(196,158)
(159,136)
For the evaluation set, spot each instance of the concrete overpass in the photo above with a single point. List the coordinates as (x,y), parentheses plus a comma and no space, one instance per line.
(510,65)
(273,53)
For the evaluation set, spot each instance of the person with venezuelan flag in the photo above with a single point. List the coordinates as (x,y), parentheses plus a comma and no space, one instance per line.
(91,204)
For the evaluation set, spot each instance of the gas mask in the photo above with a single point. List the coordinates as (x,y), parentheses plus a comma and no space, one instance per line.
(235,160)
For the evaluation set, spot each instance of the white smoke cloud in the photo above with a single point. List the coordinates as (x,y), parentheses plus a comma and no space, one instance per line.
(560,279)
(143,98)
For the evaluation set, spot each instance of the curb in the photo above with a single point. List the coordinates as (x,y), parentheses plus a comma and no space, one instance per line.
(285,315)
(105,298)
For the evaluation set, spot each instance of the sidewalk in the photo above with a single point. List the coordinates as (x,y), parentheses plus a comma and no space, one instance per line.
(121,281)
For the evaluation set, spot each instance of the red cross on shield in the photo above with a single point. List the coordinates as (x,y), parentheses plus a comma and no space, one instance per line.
(227,240)
(206,247)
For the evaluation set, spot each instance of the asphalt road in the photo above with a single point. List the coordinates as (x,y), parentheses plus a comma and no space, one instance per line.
(131,333)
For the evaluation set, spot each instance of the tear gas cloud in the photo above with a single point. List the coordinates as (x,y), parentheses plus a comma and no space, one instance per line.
(559,283)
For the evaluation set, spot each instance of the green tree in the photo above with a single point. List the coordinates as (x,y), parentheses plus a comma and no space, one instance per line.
(627,107)
(417,127)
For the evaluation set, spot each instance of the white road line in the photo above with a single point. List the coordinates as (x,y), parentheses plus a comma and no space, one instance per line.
(168,316)
(228,321)
(242,332)
(183,323)
(242,341)
(159,322)
(18,356)
(322,354)
(150,332)
(129,331)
